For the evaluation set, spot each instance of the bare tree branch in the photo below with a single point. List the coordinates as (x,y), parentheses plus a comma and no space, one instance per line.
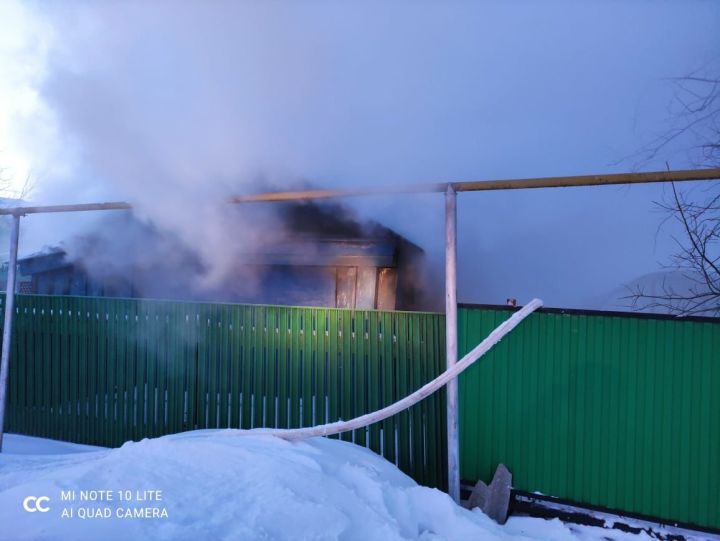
(695,119)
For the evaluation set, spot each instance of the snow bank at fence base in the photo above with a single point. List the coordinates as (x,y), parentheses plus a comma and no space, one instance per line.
(216,485)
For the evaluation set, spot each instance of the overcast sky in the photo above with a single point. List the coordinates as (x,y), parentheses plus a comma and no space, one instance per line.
(171,105)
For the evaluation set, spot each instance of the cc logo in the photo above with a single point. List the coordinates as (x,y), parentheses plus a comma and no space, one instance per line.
(34,503)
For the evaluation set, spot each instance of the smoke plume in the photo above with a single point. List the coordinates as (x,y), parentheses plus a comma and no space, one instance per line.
(174,106)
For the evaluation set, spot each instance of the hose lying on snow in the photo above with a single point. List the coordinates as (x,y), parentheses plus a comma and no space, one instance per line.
(423,392)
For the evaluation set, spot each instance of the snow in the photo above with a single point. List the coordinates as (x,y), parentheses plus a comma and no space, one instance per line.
(27,445)
(230,484)
(610,520)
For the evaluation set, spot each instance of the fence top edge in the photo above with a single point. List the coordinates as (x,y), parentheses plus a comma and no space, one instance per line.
(141,301)
(586,312)
(467,306)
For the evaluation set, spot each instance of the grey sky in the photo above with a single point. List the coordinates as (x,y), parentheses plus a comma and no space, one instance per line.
(169,105)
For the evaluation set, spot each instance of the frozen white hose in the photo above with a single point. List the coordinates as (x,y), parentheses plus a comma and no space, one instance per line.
(423,392)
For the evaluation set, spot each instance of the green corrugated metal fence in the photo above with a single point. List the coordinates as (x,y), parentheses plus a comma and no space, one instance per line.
(617,412)
(103,371)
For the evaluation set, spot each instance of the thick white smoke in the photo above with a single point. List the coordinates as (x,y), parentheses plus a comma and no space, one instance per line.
(174,105)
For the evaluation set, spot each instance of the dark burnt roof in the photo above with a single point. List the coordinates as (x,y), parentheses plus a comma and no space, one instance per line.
(326,234)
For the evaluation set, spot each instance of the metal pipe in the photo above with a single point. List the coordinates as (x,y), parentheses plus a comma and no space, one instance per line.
(453,445)
(7,328)
(468,186)
(308,195)
(589,180)
(80,207)
(491,185)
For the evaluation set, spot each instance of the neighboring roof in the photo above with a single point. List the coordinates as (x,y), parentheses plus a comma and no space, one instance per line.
(54,258)
(301,252)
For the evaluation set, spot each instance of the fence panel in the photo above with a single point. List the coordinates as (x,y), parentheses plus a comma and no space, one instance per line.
(615,411)
(620,412)
(103,371)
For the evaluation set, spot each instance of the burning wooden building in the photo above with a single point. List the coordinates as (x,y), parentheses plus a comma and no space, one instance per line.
(327,260)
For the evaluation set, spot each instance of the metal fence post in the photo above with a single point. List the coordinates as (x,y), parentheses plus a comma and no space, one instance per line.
(7,328)
(451,341)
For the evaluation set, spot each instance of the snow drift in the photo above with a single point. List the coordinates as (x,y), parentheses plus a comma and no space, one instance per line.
(217,484)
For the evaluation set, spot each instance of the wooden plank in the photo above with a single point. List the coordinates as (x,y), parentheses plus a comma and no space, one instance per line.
(345,289)
(386,288)
(365,295)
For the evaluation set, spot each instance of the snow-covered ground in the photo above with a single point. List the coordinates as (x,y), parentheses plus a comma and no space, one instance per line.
(227,484)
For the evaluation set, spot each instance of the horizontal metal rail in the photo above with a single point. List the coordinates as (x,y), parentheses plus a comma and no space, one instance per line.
(467,186)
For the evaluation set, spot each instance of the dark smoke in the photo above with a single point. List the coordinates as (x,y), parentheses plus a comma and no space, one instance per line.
(149,262)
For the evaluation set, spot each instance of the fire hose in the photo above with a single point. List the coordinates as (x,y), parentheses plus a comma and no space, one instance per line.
(423,392)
